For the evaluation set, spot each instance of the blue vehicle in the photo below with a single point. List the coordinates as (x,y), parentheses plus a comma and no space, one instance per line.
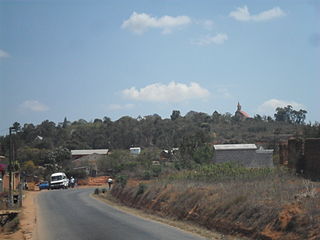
(44,185)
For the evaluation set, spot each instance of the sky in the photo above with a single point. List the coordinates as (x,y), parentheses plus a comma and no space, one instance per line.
(90,59)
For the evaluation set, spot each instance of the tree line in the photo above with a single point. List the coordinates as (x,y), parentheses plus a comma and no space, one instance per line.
(50,143)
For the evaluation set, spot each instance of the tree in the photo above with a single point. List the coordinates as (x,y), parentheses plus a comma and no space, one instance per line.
(175,115)
(288,115)
(203,154)
(16,126)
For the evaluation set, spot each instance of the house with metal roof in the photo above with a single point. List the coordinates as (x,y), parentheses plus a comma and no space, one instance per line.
(247,155)
(81,153)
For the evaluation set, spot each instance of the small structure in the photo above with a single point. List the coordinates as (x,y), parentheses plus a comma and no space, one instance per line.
(168,155)
(135,150)
(241,115)
(246,155)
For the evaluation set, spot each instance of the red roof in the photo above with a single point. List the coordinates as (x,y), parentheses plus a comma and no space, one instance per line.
(244,114)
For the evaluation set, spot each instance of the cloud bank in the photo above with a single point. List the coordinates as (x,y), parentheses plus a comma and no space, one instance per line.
(34,106)
(243,14)
(141,22)
(269,107)
(173,92)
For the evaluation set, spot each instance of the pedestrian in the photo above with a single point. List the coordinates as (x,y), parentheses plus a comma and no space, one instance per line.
(72,182)
(110,181)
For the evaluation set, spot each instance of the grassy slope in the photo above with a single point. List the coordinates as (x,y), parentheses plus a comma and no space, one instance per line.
(259,204)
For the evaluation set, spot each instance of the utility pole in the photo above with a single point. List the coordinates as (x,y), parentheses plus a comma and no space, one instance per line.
(10,200)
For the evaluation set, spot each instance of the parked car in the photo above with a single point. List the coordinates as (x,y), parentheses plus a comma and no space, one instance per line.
(59,180)
(44,185)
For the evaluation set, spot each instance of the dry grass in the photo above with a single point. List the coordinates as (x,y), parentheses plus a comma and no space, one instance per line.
(263,204)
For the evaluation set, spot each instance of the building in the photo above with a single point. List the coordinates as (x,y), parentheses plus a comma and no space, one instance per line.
(86,160)
(135,150)
(241,115)
(75,154)
(247,155)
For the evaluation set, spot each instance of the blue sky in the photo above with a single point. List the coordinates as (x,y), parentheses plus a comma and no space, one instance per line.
(90,59)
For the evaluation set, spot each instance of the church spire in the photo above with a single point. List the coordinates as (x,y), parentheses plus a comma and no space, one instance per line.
(239,107)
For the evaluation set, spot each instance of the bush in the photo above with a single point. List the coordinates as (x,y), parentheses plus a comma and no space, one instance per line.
(122,180)
(156,170)
(146,175)
(141,189)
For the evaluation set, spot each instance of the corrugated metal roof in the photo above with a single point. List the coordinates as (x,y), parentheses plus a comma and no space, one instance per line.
(234,146)
(89,151)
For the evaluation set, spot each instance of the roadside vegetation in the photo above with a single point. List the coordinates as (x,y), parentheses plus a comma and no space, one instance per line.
(257,203)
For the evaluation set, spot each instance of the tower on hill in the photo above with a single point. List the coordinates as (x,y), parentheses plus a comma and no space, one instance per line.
(241,115)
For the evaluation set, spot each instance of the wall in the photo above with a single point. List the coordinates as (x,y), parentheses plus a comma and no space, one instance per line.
(247,158)
(283,153)
(295,154)
(304,156)
(312,157)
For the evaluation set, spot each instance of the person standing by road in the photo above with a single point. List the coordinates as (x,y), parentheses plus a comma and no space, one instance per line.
(72,182)
(110,181)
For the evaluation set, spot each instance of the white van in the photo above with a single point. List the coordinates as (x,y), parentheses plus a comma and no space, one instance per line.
(59,180)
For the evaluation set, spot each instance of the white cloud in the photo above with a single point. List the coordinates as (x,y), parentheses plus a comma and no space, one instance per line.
(220,38)
(116,107)
(173,92)
(34,106)
(243,14)
(141,22)
(4,54)
(269,107)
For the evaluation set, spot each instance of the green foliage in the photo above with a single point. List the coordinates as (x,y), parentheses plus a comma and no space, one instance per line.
(118,161)
(78,174)
(121,180)
(287,114)
(175,115)
(146,175)
(156,170)
(203,154)
(141,189)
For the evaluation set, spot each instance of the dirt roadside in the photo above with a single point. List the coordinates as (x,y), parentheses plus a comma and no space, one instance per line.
(27,219)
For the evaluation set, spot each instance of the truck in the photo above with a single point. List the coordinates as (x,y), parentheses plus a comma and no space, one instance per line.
(59,180)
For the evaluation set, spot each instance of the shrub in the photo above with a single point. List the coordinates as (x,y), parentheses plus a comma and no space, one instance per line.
(122,180)
(141,189)
(146,175)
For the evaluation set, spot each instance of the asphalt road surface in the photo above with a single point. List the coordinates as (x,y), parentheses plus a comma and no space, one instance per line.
(73,215)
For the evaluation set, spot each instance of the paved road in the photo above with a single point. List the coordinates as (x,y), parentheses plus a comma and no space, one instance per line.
(73,215)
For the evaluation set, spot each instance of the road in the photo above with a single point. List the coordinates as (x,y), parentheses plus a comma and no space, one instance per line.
(73,215)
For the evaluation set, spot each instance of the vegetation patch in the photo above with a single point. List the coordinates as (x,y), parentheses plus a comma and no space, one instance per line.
(257,203)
